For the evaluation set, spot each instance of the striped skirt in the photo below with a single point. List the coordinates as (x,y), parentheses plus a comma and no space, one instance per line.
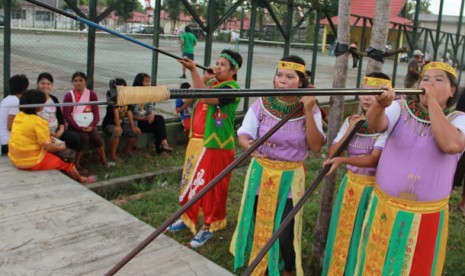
(403,237)
(276,180)
(346,224)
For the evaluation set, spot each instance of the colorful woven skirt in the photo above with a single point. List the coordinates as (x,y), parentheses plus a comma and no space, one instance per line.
(346,224)
(210,163)
(403,237)
(275,180)
(194,150)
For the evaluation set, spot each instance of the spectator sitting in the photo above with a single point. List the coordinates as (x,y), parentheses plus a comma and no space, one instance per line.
(53,115)
(119,121)
(18,84)
(148,121)
(184,109)
(31,146)
(83,119)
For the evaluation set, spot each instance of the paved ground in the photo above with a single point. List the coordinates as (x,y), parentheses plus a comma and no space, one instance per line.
(52,225)
(62,55)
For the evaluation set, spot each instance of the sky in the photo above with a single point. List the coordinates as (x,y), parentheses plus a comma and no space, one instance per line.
(451,7)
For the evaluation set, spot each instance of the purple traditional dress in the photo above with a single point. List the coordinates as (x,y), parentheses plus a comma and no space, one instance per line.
(405,227)
(351,203)
(270,182)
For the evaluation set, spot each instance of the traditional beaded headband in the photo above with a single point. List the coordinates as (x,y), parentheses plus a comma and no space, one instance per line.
(376,82)
(230,59)
(438,65)
(291,66)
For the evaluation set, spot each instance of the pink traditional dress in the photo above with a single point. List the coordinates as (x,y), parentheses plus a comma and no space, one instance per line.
(406,224)
(351,203)
(270,182)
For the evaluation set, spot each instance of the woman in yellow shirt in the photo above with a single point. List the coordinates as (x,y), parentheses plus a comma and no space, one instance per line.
(30,145)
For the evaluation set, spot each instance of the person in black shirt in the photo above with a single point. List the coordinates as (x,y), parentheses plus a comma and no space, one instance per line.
(119,121)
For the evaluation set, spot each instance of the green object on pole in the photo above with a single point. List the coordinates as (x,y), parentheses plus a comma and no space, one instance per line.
(7,49)
(156,40)
(316,36)
(362,46)
(438,30)
(91,45)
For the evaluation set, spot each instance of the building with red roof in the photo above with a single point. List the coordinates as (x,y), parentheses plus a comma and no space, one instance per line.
(360,9)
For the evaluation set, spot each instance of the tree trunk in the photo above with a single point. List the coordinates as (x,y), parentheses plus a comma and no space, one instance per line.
(336,111)
(379,32)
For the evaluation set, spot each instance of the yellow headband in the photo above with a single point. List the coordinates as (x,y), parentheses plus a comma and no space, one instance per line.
(438,65)
(376,82)
(291,66)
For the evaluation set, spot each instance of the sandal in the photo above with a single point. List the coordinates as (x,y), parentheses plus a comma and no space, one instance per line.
(165,147)
(90,179)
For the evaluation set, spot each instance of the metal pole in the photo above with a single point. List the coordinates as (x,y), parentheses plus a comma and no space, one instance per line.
(438,29)
(91,45)
(459,29)
(210,30)
(156,40)
(112,95)
(242,22)
(289,18)
(396,57)
(253,21)
(316,36)
(362,46)
(7,49)
(415,26)
(425,41)
(461,63)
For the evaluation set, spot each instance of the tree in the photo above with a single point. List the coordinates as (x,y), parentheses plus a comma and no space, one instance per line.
(125,8)
(14,4)
(336,110)
(379,32)
(424,8)
(172,7)
(330,5)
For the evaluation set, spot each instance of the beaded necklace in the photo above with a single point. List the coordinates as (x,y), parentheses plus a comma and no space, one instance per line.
(421,114)
(365,129)
(279,108)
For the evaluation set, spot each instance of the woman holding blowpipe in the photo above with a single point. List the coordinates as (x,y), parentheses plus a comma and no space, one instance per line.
(275,180)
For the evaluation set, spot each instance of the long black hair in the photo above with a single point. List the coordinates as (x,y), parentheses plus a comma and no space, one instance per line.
(79,74)
(139,79)
(45,75)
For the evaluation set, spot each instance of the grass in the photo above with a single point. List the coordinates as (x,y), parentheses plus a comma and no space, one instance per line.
(154,202)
